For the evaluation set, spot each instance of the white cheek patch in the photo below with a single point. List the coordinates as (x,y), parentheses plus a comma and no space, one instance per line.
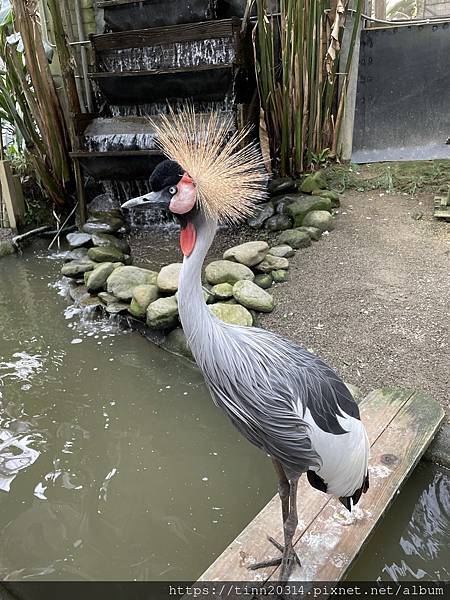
(184,200)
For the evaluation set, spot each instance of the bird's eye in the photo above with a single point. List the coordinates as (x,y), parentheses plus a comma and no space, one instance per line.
(173,190)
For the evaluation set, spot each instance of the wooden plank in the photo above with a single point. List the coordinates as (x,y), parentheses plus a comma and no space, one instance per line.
(331,544)
(188,32)
(121,74)
(114,153)
(378,410)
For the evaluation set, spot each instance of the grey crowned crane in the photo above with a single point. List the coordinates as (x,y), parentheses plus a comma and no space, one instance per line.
(282,398)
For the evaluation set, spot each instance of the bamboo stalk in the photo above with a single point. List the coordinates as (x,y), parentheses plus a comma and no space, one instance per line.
(298,85)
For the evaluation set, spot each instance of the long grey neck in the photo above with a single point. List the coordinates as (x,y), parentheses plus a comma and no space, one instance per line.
(196,318)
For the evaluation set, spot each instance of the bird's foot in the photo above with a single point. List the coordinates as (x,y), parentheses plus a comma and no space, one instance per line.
(276,562)
(288,562)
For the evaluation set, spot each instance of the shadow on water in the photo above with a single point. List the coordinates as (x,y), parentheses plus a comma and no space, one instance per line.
(116,465)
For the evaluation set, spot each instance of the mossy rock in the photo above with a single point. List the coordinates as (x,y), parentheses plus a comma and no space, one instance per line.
(264,280)
(77,268)
(96,279)
(233,314)
(320,219)
(176,342)
(143,296)
(163,313)
(106,254)
(305,204)
(252,296)
(333,196)
(294,238)
(314,233)
(280,276)
(222,291)
(123,280)
(314,181)
(225,271)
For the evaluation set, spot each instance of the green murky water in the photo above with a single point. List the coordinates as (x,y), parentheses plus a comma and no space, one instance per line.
(116,465)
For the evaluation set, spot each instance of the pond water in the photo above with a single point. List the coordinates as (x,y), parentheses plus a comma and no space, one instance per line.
(116,465)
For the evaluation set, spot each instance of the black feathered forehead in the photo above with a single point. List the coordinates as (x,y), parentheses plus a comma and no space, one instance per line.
(167,173)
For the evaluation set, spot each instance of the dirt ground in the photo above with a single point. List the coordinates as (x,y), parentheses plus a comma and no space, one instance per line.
(372,298)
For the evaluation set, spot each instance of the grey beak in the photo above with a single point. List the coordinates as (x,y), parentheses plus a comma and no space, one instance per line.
(141,201)
(157,199)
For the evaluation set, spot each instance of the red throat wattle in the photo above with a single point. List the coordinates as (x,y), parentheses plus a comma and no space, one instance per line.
(188,237)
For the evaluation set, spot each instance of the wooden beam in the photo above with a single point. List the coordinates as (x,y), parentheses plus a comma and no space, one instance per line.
(188,32)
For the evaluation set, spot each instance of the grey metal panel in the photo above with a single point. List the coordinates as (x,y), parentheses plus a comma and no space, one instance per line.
(403,97)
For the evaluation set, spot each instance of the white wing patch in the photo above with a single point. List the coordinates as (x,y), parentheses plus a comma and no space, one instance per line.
(344,457)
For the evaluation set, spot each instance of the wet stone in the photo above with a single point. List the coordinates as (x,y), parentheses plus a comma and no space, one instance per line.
(96,279)
(77,240)
(77,292)
(105,239)
(103,203)
(77,254)
(107,298)
(106,225)
(77,268)
(105,254)
(176,342)
(115,308)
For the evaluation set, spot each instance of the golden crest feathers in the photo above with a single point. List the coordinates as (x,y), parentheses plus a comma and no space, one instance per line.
(228,173)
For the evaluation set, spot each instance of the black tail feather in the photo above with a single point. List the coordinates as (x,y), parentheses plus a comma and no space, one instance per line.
(347,501)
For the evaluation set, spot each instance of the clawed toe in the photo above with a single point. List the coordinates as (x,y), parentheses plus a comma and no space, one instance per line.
(286,562)
(273,562)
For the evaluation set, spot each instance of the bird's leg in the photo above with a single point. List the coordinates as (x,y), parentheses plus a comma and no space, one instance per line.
(284,493)
(283,488)
(290,526)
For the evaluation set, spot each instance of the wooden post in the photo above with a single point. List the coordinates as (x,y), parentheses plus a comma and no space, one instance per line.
(12,195)
(380,9)
(81,192)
